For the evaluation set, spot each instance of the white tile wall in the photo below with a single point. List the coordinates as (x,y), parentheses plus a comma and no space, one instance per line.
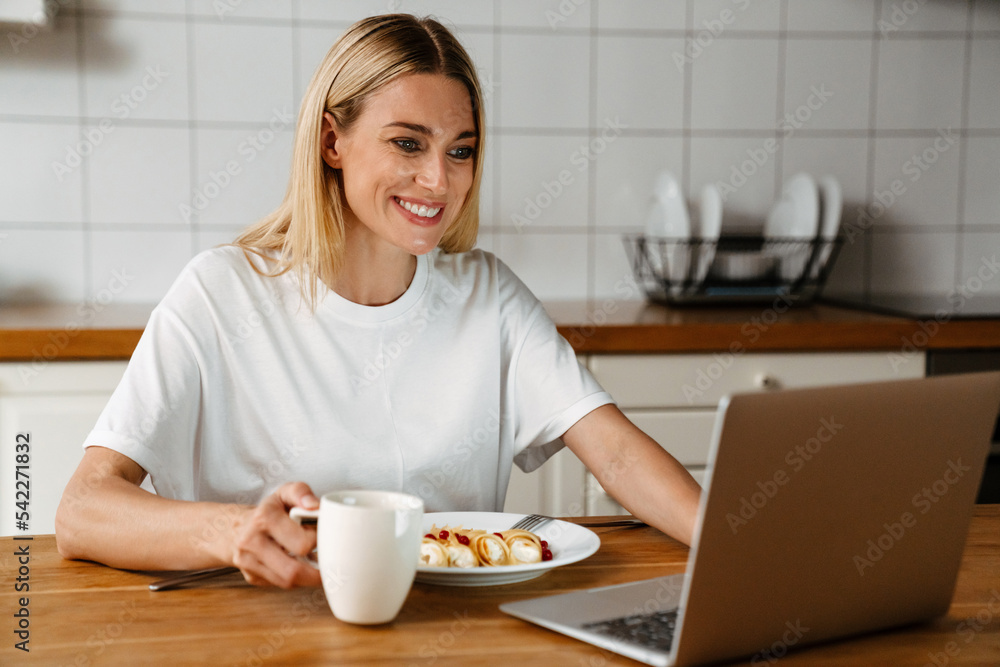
(843,15)
(984,89)
(735,85)
(609,91)
(981,193)
(136,68)
(35,75)
(827,83)
(920,83)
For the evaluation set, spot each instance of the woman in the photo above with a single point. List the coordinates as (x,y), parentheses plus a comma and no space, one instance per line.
(350,339)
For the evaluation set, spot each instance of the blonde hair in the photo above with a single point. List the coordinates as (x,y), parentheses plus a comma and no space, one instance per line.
(307,229)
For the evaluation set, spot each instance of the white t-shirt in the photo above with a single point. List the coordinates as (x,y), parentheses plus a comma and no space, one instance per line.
(236,387)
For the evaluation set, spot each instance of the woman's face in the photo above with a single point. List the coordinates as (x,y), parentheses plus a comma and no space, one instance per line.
(407,161)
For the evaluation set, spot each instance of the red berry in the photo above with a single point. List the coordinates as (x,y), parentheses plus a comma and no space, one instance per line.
(443,534)
(430,536)
(462,539)
(546,554)
(544,544)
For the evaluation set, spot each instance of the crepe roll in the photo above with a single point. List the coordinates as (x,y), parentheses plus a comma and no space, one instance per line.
(491,550)
(433,553)
(524,550)
(460,555)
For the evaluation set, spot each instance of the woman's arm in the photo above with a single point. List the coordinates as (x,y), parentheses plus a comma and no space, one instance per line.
(636,471)
(106,517)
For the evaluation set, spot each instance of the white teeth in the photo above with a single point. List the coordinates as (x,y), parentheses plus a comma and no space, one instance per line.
(420,210)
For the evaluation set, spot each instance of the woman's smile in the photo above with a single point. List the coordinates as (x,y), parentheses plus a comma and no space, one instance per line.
(421,213)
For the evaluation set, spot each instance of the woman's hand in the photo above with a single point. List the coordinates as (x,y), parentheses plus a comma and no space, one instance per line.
(268,543)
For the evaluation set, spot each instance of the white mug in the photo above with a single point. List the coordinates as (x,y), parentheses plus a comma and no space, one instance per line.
(369,545)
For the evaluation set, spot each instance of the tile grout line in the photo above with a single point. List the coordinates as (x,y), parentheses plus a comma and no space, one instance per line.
(687,82)
(963,147)
(195,224)
(868,236)
(591,277)
(782,84)
(85,199)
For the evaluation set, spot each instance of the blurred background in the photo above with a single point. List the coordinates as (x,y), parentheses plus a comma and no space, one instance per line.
(136,134)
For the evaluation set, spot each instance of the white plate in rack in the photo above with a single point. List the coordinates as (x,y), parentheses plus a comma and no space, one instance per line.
(569,543)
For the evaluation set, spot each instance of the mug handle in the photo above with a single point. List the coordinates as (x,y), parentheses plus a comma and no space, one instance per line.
(303,516)
(306,518)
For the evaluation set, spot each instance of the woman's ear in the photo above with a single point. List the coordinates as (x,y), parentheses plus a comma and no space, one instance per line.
(328,140)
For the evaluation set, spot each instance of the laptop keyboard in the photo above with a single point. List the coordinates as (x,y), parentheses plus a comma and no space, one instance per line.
(654,630)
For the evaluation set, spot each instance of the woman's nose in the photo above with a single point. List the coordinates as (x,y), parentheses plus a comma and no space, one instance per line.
(433,175)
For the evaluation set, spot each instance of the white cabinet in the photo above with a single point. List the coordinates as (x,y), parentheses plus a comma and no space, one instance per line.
(671,397)
(674,398)
(58,407)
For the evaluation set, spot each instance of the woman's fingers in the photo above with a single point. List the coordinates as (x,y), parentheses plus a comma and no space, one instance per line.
(267,547)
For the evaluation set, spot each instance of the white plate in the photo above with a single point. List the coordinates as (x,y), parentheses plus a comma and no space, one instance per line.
(569,543)
(796,214)
(669,222)
(709,228)
(831,206)
(794,217)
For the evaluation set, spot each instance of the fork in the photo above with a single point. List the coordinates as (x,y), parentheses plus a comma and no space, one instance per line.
(531,521)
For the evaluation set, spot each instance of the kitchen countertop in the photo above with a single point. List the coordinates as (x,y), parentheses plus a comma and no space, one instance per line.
(92,332)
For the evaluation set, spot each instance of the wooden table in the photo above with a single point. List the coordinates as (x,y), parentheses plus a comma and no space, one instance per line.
(87,614)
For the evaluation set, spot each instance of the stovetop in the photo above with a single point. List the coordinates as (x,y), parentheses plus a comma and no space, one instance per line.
(956,305)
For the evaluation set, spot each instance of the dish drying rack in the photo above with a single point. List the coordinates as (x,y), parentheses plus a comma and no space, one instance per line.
(730,269)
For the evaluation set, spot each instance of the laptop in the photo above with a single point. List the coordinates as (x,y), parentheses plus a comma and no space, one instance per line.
(827,512)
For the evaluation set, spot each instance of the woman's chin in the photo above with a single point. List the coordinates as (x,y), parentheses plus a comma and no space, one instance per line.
(420,246)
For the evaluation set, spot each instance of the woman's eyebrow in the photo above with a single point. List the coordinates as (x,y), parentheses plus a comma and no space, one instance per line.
(423,129)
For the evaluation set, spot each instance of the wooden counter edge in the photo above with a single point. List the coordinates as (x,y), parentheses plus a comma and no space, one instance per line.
(635,328)
(903,336)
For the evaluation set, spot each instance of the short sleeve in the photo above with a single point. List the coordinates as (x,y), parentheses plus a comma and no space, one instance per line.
(547,387)
(152,416)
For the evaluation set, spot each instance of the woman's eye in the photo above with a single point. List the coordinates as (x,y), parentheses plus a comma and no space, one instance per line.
(408,145)
(462,152)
